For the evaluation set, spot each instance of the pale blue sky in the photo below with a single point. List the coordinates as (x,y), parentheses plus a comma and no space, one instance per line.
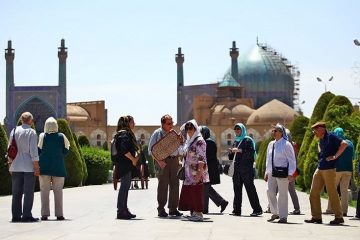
(123,52)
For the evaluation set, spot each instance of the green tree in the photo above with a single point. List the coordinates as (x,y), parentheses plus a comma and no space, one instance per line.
(73,162)
(298,129)
(5,177)
(98,163)
(317,115)
(356,163)
(82,159)
(261,157)
(83,141)
(105,146)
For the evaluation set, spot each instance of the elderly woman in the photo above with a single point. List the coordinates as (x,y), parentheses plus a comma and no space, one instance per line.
(127,149)
(196,174)
(53,147)
(243,153)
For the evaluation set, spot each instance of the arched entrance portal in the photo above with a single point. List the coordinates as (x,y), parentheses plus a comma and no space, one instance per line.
(40,109)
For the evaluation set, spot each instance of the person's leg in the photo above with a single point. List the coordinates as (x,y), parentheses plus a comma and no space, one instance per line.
(45,186)
(58,185)
(316,187)
(162,189)
(215,196)
(271,193)
(17,179)
(237,203)
(29,187)
(174,184)
(123,191)
(329,179)
(294,196)
(344,186)
(283,186)
(251,191)
(337,181)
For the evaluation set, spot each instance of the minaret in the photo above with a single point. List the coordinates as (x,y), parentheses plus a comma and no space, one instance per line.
(234,54)
(179,59)
(62,55)
(9,56)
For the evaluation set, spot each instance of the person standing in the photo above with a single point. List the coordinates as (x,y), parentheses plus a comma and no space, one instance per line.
(24,169)
(127,158)
(330,148)
(168,181)
(243,153)
(213,170)
(344,170)
(281,156)
(196,174)
(53,147)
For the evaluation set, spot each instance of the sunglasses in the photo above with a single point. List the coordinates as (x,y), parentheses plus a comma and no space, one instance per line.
(237,128)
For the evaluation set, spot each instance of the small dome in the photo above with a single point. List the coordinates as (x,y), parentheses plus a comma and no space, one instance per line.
(229,81)
(218,108)
(243,110)
(76,113)
(226,111)
(271,113)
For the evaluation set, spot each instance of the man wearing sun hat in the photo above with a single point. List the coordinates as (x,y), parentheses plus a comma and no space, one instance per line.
(330,148)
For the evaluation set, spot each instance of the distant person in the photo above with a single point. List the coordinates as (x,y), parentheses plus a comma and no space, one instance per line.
(214,174)
(280,167)
(24,169)
(196,173)
(330,148)
(344,169)
(127,158)
(53,147)
(168,182)
(243,153)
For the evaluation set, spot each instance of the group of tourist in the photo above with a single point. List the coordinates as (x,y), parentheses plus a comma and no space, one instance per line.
(198,154)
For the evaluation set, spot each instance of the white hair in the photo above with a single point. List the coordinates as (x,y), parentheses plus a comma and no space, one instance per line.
(51,125)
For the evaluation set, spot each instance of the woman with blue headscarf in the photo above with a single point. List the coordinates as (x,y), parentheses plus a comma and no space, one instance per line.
(243,153)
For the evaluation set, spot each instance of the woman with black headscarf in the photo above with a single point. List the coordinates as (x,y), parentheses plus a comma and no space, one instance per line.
(214,174)
(127,158)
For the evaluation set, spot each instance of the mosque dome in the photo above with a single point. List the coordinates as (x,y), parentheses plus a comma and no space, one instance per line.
(265,75)
(242,109)
(77,113)
(272,113)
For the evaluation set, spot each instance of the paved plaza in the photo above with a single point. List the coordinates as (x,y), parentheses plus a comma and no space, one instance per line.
(91,214)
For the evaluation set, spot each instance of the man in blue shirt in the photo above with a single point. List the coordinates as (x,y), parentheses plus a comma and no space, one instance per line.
(330,148)
(24,168)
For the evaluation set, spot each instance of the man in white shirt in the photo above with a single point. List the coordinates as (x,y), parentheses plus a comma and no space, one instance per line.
(280,167)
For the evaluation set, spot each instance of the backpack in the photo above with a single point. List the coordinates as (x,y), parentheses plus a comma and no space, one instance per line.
(113,149)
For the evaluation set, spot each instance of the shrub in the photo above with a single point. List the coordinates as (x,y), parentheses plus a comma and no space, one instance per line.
(83,141)
(356,163)
(73,163)
(298,129)
(98,163)
(261,157)
(5,177)
(82,160)
(105,146)
(150,161)
(317,115)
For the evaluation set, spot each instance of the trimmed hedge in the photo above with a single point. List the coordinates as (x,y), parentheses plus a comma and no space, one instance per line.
(98,163)
(261,157)
(5,177)
(83,141)
(82,159)
(73,162)
(317,115)
(298,129)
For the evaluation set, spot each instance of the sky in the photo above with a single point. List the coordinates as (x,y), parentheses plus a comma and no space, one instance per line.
(123,52)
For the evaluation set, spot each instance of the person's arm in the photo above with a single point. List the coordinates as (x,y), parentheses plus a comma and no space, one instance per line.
(290,156)
(132,158)
(200,153)
(268,165)
(34,153)
(341,149)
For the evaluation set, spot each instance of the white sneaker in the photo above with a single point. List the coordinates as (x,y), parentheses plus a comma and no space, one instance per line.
(196,218)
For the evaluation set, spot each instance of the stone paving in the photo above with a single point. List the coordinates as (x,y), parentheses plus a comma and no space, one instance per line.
(91,214)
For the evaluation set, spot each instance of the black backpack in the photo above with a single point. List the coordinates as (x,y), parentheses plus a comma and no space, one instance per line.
(113,149)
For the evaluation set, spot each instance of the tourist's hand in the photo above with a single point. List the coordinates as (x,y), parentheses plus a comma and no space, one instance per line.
(291,178)
(330,158)
(266,177)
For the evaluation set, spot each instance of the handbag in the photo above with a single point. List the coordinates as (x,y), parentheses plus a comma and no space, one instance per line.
(12,149)
(231,169)
(279,172)
(181,173)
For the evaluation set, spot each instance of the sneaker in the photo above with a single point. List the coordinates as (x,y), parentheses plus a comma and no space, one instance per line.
(131,215)
(295,212)
(29,219)
(60,218)
(123,215)
(163,214)
(175,213)
(255,214)
(273,217)
(337,221)
(223,205)
(282,220)
(313,220)
(44,218)
(196,218)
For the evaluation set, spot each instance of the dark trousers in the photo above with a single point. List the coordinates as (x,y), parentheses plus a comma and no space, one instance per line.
(358,205)
(210,192)
(246,179)
(168,182)
(23,183)
(124,192)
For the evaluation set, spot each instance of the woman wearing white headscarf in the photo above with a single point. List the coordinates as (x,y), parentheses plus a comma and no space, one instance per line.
(196,174)
(53,147)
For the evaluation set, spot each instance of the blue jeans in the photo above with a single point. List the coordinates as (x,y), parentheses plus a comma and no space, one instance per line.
(23,183)
(124,192)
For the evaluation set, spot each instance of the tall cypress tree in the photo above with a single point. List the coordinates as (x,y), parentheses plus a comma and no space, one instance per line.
(5,177)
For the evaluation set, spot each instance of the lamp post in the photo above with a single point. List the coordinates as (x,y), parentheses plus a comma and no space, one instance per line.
(320,80)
